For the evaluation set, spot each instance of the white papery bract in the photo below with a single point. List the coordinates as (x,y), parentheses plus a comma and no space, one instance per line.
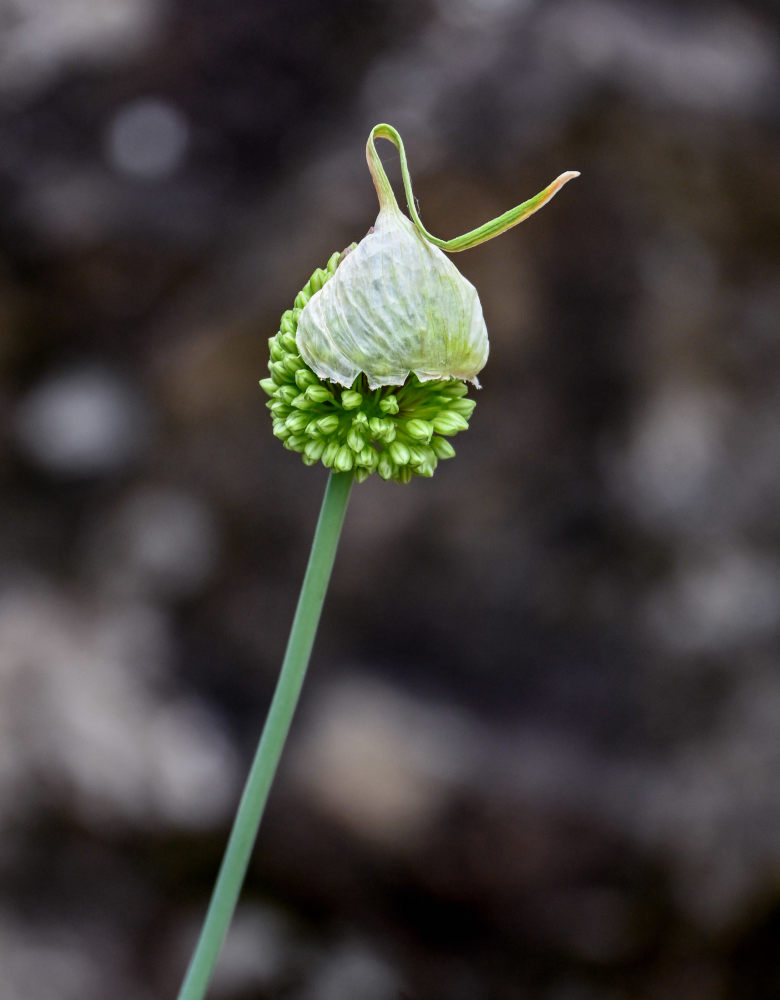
(395,306)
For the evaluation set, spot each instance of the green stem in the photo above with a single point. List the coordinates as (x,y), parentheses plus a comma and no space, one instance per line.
(288,688)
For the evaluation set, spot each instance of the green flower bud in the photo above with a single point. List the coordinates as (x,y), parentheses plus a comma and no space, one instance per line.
(378,427)
(449,423)
(389,404)
(368,457)
(344,460)
(385,467)
(288,342)
(442,448)
(419,456)
(355,440)
(297,422)
(278,371)
(268,386)
(318,393)
(426,468)
(328,424)
(465,407)
(304,378)
(419,430)
(399,453)
(313,450)
(330,452)
(350,400)
(287,393)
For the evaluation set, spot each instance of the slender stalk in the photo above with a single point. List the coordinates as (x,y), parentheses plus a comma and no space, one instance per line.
(288,688)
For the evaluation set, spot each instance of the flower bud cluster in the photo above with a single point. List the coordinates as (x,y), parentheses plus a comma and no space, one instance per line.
(397,431)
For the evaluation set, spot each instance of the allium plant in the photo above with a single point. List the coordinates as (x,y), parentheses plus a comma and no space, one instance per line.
(368,373)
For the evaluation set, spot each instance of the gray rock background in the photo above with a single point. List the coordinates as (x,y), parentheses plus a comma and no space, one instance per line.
(537,756)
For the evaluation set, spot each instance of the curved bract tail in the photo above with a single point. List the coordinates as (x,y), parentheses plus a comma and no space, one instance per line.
(486,232)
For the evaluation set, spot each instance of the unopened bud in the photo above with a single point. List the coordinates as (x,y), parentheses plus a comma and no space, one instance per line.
(449,423)
(399,453)
(297,421)
(389,404)
(355,439)
(442,448)
(328,424)
(318,394)
(343,461)
(314,449)
(305,378)
(268,386)
(350,400)
(419,430)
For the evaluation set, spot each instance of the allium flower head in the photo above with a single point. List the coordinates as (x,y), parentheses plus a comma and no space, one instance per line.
(368,370)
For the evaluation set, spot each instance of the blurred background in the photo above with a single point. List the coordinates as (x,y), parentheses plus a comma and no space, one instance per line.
(538,751)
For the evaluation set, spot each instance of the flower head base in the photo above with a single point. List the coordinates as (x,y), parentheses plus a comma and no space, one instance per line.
(399,432)
(368,368)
